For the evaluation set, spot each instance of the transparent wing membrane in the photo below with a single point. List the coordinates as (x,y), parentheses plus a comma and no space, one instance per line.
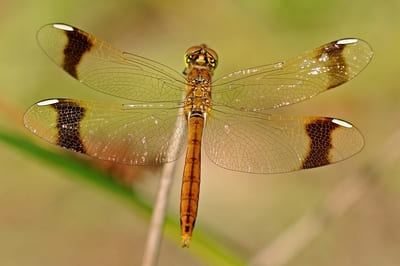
(107,69)
(127,134)
(294,80)
(264,143)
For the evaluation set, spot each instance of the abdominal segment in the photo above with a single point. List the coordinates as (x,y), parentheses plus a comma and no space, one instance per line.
(191,178)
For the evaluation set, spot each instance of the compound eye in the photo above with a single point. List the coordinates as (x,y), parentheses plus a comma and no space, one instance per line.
(213,62)
(188,58)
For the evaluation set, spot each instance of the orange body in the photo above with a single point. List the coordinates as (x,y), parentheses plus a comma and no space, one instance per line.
(197,105)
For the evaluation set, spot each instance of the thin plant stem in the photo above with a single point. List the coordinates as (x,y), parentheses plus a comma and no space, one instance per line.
(154,236)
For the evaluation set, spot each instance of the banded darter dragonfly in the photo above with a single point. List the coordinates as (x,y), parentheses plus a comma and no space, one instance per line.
(228,117)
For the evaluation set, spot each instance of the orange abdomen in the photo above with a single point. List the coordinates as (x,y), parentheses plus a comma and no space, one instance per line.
(191,178)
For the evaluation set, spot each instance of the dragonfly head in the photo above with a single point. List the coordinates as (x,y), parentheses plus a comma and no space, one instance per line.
(200,56)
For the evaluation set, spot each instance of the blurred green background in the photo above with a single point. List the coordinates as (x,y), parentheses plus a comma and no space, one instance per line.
(50,217)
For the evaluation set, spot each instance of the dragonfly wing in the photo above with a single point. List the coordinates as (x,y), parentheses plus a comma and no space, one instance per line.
(126,134)
(107,69)
(294,80)
(264,143)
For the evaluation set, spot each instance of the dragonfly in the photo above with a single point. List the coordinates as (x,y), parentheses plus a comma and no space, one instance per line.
(231,118)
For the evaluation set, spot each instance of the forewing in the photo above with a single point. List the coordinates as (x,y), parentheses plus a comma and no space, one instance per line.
(107,69)
(293,80)
(262,143)
(126,134)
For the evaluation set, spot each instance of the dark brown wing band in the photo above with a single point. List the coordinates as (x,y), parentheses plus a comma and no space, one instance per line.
(320,134)
(78,44)
(334,51)
(70,115)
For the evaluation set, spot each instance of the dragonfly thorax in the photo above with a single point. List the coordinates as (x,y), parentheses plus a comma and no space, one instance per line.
(198,91)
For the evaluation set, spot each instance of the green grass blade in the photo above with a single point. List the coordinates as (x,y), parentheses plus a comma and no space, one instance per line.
(203,246)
